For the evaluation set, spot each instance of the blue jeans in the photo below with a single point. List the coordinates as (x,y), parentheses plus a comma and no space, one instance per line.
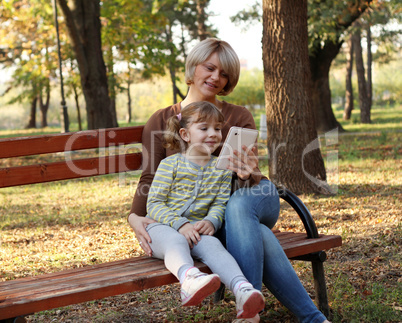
(250,214)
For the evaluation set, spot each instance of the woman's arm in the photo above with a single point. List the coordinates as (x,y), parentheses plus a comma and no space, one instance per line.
(139,224)
(152,153)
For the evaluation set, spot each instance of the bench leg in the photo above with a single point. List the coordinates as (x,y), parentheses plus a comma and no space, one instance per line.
(320,287)
(219,294)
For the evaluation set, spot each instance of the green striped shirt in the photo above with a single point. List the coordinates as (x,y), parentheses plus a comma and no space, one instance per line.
(183,192)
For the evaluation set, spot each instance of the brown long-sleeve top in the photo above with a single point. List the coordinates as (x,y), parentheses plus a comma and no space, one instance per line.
(153,151)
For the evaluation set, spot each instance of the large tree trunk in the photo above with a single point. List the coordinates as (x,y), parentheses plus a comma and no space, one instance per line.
(83,23)
(295,158)
(320,65)
(348,86)
(361,78)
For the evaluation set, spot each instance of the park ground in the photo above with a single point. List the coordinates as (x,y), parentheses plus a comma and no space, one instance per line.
(50,227)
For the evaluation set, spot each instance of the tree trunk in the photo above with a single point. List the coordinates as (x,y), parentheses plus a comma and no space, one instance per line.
(295,158)
(361,78)
(129,109)
(77,105)
(43,111)
(44,106)
(172,69)
(348,86)
(320,65)
(112,87)
(369,68)
(173,78)
(32,117)
(83,23)
(201,27)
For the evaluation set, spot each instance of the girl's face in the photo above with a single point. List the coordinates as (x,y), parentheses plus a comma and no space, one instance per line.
(209,78)
(202,137)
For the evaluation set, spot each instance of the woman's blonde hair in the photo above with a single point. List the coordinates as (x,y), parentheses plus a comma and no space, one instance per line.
(227,57)
(206,111)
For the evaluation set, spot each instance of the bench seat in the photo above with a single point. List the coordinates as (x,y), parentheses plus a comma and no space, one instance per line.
(32,294)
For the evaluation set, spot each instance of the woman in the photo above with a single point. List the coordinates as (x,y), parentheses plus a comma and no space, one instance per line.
(213,68)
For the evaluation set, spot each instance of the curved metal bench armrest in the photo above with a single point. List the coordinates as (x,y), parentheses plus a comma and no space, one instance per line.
(301,210)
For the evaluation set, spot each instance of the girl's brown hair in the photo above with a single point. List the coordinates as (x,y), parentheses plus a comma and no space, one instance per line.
(205,110)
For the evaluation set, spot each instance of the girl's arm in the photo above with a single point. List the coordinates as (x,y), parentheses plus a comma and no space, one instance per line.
(216,211)
(157,207)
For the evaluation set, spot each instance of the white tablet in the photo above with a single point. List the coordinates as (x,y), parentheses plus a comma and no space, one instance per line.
(236,138)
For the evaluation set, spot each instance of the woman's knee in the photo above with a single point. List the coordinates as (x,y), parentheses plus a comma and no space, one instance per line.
(261,201)
(239,202)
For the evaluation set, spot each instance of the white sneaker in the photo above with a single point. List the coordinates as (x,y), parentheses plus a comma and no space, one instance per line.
(249,301)
(198,286)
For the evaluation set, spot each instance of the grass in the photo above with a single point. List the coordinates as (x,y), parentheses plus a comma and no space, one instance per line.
(384,118)
(54,226)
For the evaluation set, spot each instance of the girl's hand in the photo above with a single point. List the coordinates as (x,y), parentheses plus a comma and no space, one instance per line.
(190,233)
(244,163)
(205,227)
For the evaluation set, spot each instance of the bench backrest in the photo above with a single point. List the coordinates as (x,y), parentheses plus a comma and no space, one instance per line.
(109,140)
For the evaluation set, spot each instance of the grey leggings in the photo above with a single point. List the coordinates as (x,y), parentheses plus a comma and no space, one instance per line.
(171,246)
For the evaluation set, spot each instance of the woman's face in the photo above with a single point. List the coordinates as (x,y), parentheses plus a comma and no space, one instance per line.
(209,78)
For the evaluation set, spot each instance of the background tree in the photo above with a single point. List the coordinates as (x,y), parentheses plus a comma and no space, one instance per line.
(84,27)
(295,158)
(31,56)
(364,102)
(131,35)
(379,16)
(369,66)
(327,22)
(72,82)
(202,27)
(348,84)
(249,91)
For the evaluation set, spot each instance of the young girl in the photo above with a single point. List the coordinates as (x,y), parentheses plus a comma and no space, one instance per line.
(187,198)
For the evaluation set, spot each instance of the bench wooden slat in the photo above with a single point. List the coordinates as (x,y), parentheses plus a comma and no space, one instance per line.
(76,292)
(78,168)
(33,294)
(44,144)
(306,246)
(90,275)
(78,271)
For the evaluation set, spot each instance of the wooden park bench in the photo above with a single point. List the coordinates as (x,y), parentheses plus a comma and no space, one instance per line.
(21,297)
